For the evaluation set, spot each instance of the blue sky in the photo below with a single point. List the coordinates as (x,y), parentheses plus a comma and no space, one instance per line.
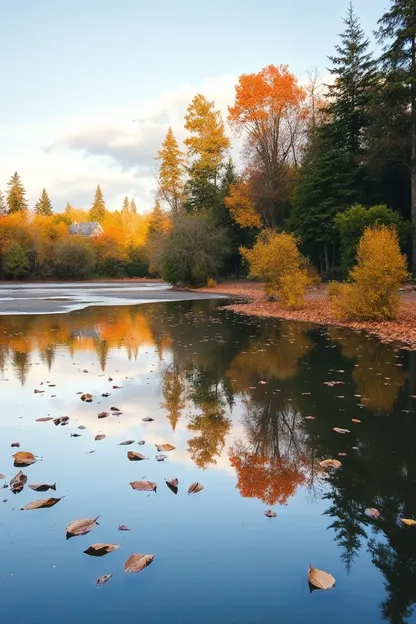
(76,73)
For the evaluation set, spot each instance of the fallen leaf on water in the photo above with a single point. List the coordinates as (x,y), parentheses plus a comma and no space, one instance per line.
(309,417)
(18,482)
(103,579)
(194,488)
(320,579)
(100,436)
(161,458)
(117,387)
(123,527)
(126,442)
(103,415)
(330,463)
(137,563)
(144,486)
(342,454)
(173,485)
(133,456)
(42,487)
(44,419)
(164,447)
(15,444)
(114,409)
(75,435)
(81,526)
(373,513)
(147,419)
(356,420)
(23,458)
(270,514)
(98,550)
(408,521)
(86,397)
(339,430)
(141,442)
(105,394)
(81,427)
(2,476)
(38,391)
(62,420)
(40,504)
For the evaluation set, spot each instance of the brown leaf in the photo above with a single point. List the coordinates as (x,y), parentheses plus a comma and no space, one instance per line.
(15,444)
(62,420)
(270,514)
(126,442)
(161,458)
(81,526)
(2,476)
(133,456)
(408,521)
(100,436)
(38,391)
(320,579)
(44,419)
(103,579)
(164,447)
(330,463)
(147,419)
(86,397)
(103,415)
(18,482)
(98,550)
(23,458)
(173,485)
(137,563)
(372,513)
(39,504)
(144,486)
(42,487)
(355,420)
(339,430)
(194,488)
(123,527)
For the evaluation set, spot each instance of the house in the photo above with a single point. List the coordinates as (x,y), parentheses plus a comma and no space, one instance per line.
(89,229)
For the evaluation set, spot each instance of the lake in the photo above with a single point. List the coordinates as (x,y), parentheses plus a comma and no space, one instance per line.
(250,406)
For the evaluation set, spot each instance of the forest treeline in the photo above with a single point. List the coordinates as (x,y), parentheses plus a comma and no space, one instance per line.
(319,161)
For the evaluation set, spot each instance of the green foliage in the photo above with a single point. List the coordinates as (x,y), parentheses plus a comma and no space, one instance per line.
(16,262)
(381,267)
(194,249)
(137,265)
(97,210)
(74,259)
(352,223)
(44,205)
(16,195)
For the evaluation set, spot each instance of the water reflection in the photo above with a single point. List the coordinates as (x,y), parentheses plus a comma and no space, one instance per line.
(251,398)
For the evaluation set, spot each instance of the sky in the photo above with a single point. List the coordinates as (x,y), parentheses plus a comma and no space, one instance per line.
(89,87)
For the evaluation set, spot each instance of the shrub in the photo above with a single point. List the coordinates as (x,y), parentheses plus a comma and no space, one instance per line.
(372,292)
(276,260)
(211,283)
(74,259)
(16,262)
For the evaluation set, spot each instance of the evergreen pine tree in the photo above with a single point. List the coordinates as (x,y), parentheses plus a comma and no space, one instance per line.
(16,195)
(97,210)
(44,206)
(133,208)
(126,206)
(3,206)
(68,208)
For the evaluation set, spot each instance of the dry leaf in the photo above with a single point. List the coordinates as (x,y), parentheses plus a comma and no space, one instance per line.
(100,436)
(164,447)
(23,458)
(339,430)
(309,417)
(81,526)
(42,487)
(62,420)
(141,442)
(137,563)
(44,419)
(320,579)
(40,504)
(147,419)
(103,415)
(98,550)
(133,456)
(126,442)
(330,463)
(173,485)
(15,444)
(372,513)
(18,482)
(195,488)
(103,579)
(86,397)
(270,514)
(408,521)
(123,527)
(144,486)
(355,420)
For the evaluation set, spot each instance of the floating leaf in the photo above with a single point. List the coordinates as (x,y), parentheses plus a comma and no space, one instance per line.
(309,417)
(133,456)
(339,430)
(355,420)
(42,487)
(144,486)
(15,444)
(372,513)
(195,488)
(408,521)
(103,579)
(173,485)
(86,397)
(270,514)
(98,550)
(161,458)
(100,436)
(24,458)
(81,526)
(114,409)
(320,579)
(103,414)
(330,463)
(62,420)
(2,476)
(38,391)
(147,419)
(137,563)
(18,482)
(123,527)
(44,419)
(164,447)
(126,442)
(141,442)
(40,504)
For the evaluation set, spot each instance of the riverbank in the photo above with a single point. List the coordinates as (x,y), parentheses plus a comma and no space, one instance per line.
(318,310)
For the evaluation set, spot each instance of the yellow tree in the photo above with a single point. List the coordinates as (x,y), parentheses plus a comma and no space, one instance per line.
(171,172)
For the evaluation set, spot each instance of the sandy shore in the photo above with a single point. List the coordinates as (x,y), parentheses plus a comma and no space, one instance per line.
(318,310)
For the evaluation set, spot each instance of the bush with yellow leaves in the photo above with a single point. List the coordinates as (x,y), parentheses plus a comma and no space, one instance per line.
(275,259)
(372,293)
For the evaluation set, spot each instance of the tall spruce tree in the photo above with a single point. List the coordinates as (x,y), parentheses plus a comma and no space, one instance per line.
(126,206)
(133,207)
(397,31)
(333,173)
(44,205)
(97,210)
(3,206)
(16,195)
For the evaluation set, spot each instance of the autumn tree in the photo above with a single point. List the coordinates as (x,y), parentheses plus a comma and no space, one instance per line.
(171,172)
(3,206)
(126,206)
(133,208)
(16,195)
(156,236)
(68,208)
(44,205)
(269,113)
(97,210)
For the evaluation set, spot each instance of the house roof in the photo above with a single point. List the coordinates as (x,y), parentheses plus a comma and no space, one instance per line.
(84,229)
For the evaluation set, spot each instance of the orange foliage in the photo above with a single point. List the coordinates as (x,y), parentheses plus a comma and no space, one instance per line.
(241,205)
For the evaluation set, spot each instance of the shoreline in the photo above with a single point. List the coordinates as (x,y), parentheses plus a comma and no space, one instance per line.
(318,311)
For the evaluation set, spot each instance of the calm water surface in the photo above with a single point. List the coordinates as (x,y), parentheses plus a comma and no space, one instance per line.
(232,394)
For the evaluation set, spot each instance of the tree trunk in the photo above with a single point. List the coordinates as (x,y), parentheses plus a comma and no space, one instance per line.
(413,160)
